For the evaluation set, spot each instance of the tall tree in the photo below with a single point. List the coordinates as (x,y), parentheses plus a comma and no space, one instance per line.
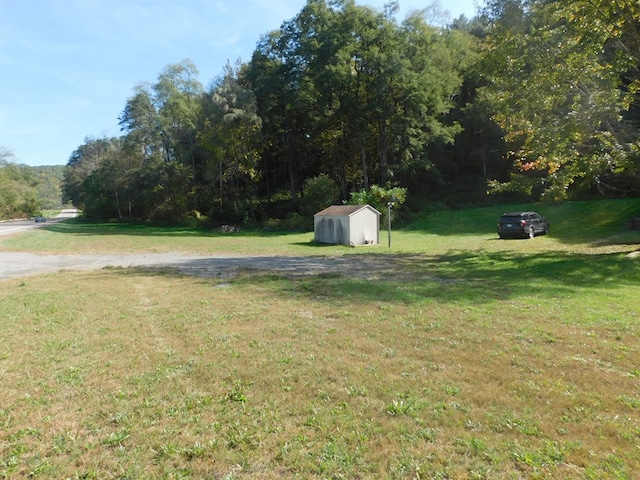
(83,162)
(113,185)
(564,76)
(160,122)
(177,98)
(438,60)
(230,137)
(141,122)
(49,180)
(286,104)
(363,96)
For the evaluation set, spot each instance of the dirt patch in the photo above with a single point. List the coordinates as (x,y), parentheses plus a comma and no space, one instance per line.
(14,264)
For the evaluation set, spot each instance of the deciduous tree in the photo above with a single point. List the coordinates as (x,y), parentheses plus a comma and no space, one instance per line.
(230,139)
(564,82)
(18,195)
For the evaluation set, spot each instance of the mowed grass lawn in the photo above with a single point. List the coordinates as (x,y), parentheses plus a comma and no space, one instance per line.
(477,359)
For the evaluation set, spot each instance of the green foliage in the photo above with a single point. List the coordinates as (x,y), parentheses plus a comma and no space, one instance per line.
(564,90)
(529,98)
(229,136)
(49,185)
(378,197)
(82,163)
(347,91)
(318,193)
(25,190)
(381,199)
(18,193)
(168,201)
(103,178)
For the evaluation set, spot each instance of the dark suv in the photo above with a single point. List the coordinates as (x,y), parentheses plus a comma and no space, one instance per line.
(522,225)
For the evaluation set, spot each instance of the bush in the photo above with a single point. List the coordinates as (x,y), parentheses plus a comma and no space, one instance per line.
(318,193)
(294,222)
(378,197)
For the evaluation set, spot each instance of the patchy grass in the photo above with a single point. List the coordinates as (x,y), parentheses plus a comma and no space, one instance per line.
(136,375)
(474,358)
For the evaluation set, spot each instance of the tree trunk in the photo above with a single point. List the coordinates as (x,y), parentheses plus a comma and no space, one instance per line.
(365,171)
(291,170)
(118,205)
(382,153)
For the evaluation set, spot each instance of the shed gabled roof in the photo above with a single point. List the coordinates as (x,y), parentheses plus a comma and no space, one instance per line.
(344,210)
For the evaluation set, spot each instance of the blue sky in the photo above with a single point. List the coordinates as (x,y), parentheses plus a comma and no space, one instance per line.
(67,67)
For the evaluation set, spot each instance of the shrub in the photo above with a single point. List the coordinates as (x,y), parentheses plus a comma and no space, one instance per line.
(378,197)
(317,194)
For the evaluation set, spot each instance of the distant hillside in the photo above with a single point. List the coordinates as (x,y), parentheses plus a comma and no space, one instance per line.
(49,180)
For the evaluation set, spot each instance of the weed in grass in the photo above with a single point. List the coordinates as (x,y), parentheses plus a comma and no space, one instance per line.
(538,459)
(451,390)
(117,438)
(195,451)
(611,467)
(399,407)
(630,401)
(237,393)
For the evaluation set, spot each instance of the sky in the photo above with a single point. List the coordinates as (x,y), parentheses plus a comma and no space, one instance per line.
(67,67)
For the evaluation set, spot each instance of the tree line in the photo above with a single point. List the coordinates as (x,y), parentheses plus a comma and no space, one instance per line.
(25,191)
(529,99)
(18,193)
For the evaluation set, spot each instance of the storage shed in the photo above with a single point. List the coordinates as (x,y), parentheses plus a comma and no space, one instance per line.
(347,225)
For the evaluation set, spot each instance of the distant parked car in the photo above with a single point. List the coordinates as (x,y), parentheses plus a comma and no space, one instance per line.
(40,219)
(522,225)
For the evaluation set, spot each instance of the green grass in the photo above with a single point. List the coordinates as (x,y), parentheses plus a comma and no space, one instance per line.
(575,226)
(470,358)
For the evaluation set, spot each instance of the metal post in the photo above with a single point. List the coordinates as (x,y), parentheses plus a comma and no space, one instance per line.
(389,205)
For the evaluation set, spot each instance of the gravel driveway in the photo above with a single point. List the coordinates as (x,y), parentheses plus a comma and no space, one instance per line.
(15,264)
(18,264)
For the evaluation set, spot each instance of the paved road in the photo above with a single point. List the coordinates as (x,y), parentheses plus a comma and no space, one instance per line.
(7,228)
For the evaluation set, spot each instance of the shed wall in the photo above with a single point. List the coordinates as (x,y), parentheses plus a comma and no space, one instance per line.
(364,228)
(333,230)
(347,225)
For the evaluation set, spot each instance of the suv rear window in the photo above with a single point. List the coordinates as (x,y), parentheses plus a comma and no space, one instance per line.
(510,218)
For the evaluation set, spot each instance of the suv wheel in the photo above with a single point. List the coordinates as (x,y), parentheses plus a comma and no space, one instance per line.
(532,232)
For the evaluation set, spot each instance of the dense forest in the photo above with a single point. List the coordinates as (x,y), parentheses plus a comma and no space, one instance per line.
(18,195)
(48,180)
(531,99)
(26,191)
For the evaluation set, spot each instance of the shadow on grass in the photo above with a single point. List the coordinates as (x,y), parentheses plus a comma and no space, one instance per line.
(78,226)
(457,276)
